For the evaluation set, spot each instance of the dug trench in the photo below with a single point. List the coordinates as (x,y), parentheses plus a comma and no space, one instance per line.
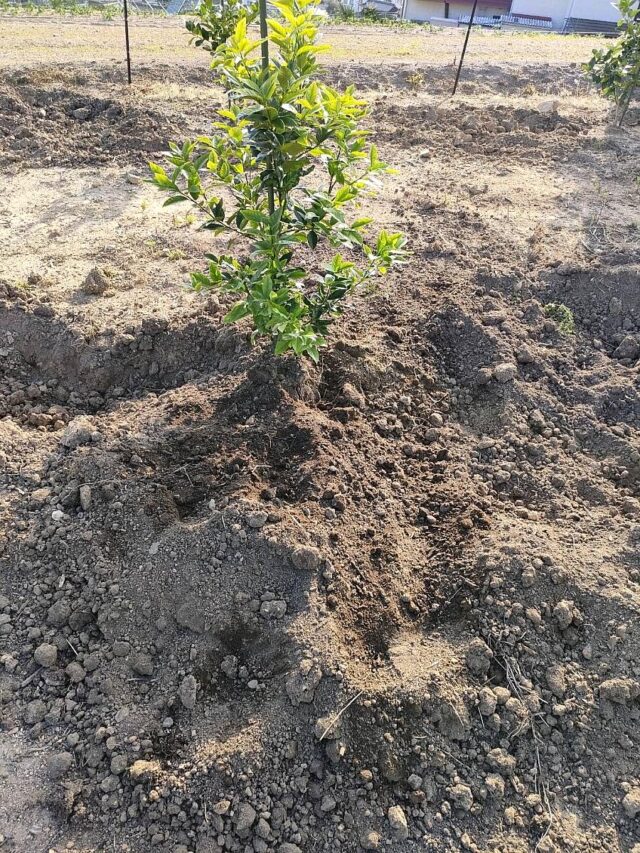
(389,602)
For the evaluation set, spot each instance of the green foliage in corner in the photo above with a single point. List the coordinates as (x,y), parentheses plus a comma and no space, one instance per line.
(616,71)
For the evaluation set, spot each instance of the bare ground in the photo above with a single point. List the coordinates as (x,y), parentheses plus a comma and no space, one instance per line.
(461,473)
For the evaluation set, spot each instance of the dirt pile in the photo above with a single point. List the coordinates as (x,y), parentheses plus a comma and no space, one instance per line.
(387,603)
(49,125)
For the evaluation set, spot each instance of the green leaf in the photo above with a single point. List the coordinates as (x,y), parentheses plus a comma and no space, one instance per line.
(239,310)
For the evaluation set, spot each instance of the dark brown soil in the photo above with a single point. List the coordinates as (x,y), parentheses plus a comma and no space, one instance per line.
(406,579)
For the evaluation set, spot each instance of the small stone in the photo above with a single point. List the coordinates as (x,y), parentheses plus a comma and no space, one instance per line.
(502,694)
(188,692)
(121,648)
(478,657)
(505,372)
(9,662)
(328,803)
(563,614)
(369,840)
(78,432)
(81,113)
(301,685)
(110,784)
(262,828)
(273,609)
(59,764)
(189,615)
(525,356)
(75,672)
(495,786)
(631,803)
(556,680)
(484,376)
(533,615)
(390,764)
(257,519)
(141,769)
(306,558)
(415,782)
(619,690)
(487,702)
(352,396)
(499,759)
(615,306)
(546,107)
(35,712)
(327,728)
(80,618)
(58,614)
(288,847)
(85,497)
(141,663)
(627,348)
(46,655)
(510,815)
(222,807)
(461,797)
(119,764)
(96,283)
(398,823)
(244,819)
(229,666)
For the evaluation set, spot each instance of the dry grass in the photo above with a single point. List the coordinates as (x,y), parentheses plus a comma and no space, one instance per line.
(29,41)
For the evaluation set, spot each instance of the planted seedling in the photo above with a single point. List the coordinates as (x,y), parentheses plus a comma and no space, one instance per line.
(287,161)
(562,316)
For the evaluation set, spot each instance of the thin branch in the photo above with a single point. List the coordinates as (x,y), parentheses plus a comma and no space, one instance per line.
(340,713)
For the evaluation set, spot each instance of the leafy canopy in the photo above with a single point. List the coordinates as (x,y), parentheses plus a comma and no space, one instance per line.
(287,160)
(616,71)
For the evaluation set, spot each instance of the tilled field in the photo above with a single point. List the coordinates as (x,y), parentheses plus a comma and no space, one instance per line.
(388,603)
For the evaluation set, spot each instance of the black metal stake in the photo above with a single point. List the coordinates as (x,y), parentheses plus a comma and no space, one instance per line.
(264,47)
(464,47)
(264,50)
(126,40)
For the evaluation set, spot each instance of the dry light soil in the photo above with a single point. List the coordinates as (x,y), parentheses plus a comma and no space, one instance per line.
(388,603)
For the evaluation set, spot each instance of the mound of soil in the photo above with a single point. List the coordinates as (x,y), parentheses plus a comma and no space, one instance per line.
(49,125)
(390,602)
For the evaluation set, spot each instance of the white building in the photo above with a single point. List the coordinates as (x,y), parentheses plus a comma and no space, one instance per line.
(596,11)
(567,15)
(438,10)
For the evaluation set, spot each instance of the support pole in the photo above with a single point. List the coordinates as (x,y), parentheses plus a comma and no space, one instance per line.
(264,34)
(264,50)
(126,40)
(464,47)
